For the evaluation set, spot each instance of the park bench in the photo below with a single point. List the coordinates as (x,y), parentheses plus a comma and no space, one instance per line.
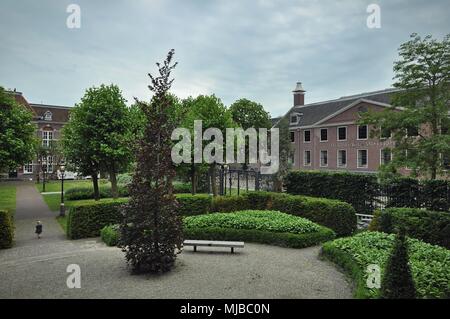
(212,243)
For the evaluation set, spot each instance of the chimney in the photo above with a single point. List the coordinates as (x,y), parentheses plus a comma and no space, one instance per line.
(299,95)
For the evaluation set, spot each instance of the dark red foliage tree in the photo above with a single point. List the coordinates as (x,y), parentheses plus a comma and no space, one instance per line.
(151,231)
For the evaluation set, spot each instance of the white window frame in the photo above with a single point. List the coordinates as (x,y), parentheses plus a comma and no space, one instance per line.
(26,166)
(310,136)
(337,133)
(46,141)
(320,135)
(304,158)
(337,158)
(357,133)
(48,116)
(320,158)
(382,157)
(367,158)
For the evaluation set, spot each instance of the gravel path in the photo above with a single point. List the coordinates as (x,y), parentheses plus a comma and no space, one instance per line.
(37,268)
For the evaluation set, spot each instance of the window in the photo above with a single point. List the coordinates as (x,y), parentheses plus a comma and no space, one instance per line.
(323,158)
(47,137)
(362,132)
(412,131)
(362,158)
(342,133)
(385,133)
(342,158)
(292,137)
(291,159)
(307,158)
(48,116)
(323,134)
(47,164)
(307,136)
(294,119)
(385,156)
(28,168)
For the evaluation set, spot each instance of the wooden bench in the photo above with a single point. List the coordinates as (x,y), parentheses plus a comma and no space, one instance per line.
(212,243)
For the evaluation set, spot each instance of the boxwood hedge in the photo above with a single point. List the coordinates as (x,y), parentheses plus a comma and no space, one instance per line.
(110,235)
(430,265)
(6,229)
(269,227)
(431,227)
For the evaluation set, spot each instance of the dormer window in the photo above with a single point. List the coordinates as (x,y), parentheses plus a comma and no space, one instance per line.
(48,116)
(295,118)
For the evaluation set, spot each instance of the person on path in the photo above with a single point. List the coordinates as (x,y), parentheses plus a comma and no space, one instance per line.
(38,229)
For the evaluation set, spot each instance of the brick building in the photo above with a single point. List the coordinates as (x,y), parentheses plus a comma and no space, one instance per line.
(325,135)
(49,120)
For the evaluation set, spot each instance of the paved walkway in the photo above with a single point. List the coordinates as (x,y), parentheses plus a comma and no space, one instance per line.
(37,268)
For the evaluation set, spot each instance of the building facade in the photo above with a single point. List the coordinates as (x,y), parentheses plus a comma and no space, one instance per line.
(49,121)
(325,135)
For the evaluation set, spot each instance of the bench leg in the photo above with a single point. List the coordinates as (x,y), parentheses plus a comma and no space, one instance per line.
(232,250)
(195,248)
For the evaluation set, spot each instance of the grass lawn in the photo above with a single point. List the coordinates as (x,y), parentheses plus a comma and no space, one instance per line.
(8,197)
(55,186)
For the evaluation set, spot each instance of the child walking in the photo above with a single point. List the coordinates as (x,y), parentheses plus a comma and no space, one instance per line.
(38,229)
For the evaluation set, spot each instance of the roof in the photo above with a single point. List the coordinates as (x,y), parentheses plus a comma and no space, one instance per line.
(314,112)
(59,113)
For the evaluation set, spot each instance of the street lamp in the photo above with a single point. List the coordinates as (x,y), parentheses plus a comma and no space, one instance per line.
(44,169)
(62,209)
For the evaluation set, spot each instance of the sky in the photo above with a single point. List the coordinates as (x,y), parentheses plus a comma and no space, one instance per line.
(255,49)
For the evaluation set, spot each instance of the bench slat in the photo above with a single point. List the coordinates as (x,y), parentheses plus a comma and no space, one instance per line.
(212,243)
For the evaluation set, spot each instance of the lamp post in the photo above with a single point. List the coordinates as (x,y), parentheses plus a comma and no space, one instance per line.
(44,169)
(62,209)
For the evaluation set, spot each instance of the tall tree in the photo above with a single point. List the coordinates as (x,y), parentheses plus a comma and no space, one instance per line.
(213,114)
(286,152)
(17,139)
(246,114)
(420,128)
(151,229)
(104,126)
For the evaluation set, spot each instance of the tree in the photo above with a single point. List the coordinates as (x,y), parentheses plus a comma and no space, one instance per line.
(419,118)
(285,149)
(213,114)
(102,131)
(246,114)
(151,229)
(17,137)
(397,281)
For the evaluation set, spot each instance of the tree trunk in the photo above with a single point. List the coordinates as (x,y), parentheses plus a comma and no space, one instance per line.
(113,179)
(193,179)
(95,183)
(212,170)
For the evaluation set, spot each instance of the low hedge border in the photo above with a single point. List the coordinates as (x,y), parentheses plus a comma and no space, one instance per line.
(6,229)
(110,235)
(429,226)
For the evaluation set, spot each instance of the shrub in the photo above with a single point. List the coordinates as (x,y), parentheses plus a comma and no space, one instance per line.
(124,179)
(435,195)
(397,280)
(430,265)
(194,204)
(431,227)
(6,229)
(181,188)
(341,186)
(86,220)
(227,204)
(110,235)
(269,227)
(78,193)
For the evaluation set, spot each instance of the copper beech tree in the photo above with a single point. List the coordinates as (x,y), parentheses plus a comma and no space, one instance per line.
(151,231)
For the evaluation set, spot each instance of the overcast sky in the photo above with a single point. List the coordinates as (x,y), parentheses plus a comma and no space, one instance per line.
(232,48)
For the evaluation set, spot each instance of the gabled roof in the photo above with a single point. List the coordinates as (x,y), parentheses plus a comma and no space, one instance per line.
(22,101)
(59,113)
(315,113)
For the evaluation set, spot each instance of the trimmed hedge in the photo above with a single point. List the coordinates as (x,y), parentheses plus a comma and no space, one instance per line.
(194,204)
(431,227)
(228,204)
(359,190)
(6,229)
(268,227)
(86,220)
(430,265)
(110,235)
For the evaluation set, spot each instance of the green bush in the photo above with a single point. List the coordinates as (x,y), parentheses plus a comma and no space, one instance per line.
(359,190)
(194,204)
(269,227)
(110,235)
(430,265)
(78,193)
(431,227)
(6,229)
(181,188)
(402,192)
(227,204)
(86,220)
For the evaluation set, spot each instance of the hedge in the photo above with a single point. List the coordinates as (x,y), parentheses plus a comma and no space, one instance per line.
(6,229)
(194,204)
(110,235)
(430,265)
(268,227)
(431,227)
(359,190)
(228,204)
